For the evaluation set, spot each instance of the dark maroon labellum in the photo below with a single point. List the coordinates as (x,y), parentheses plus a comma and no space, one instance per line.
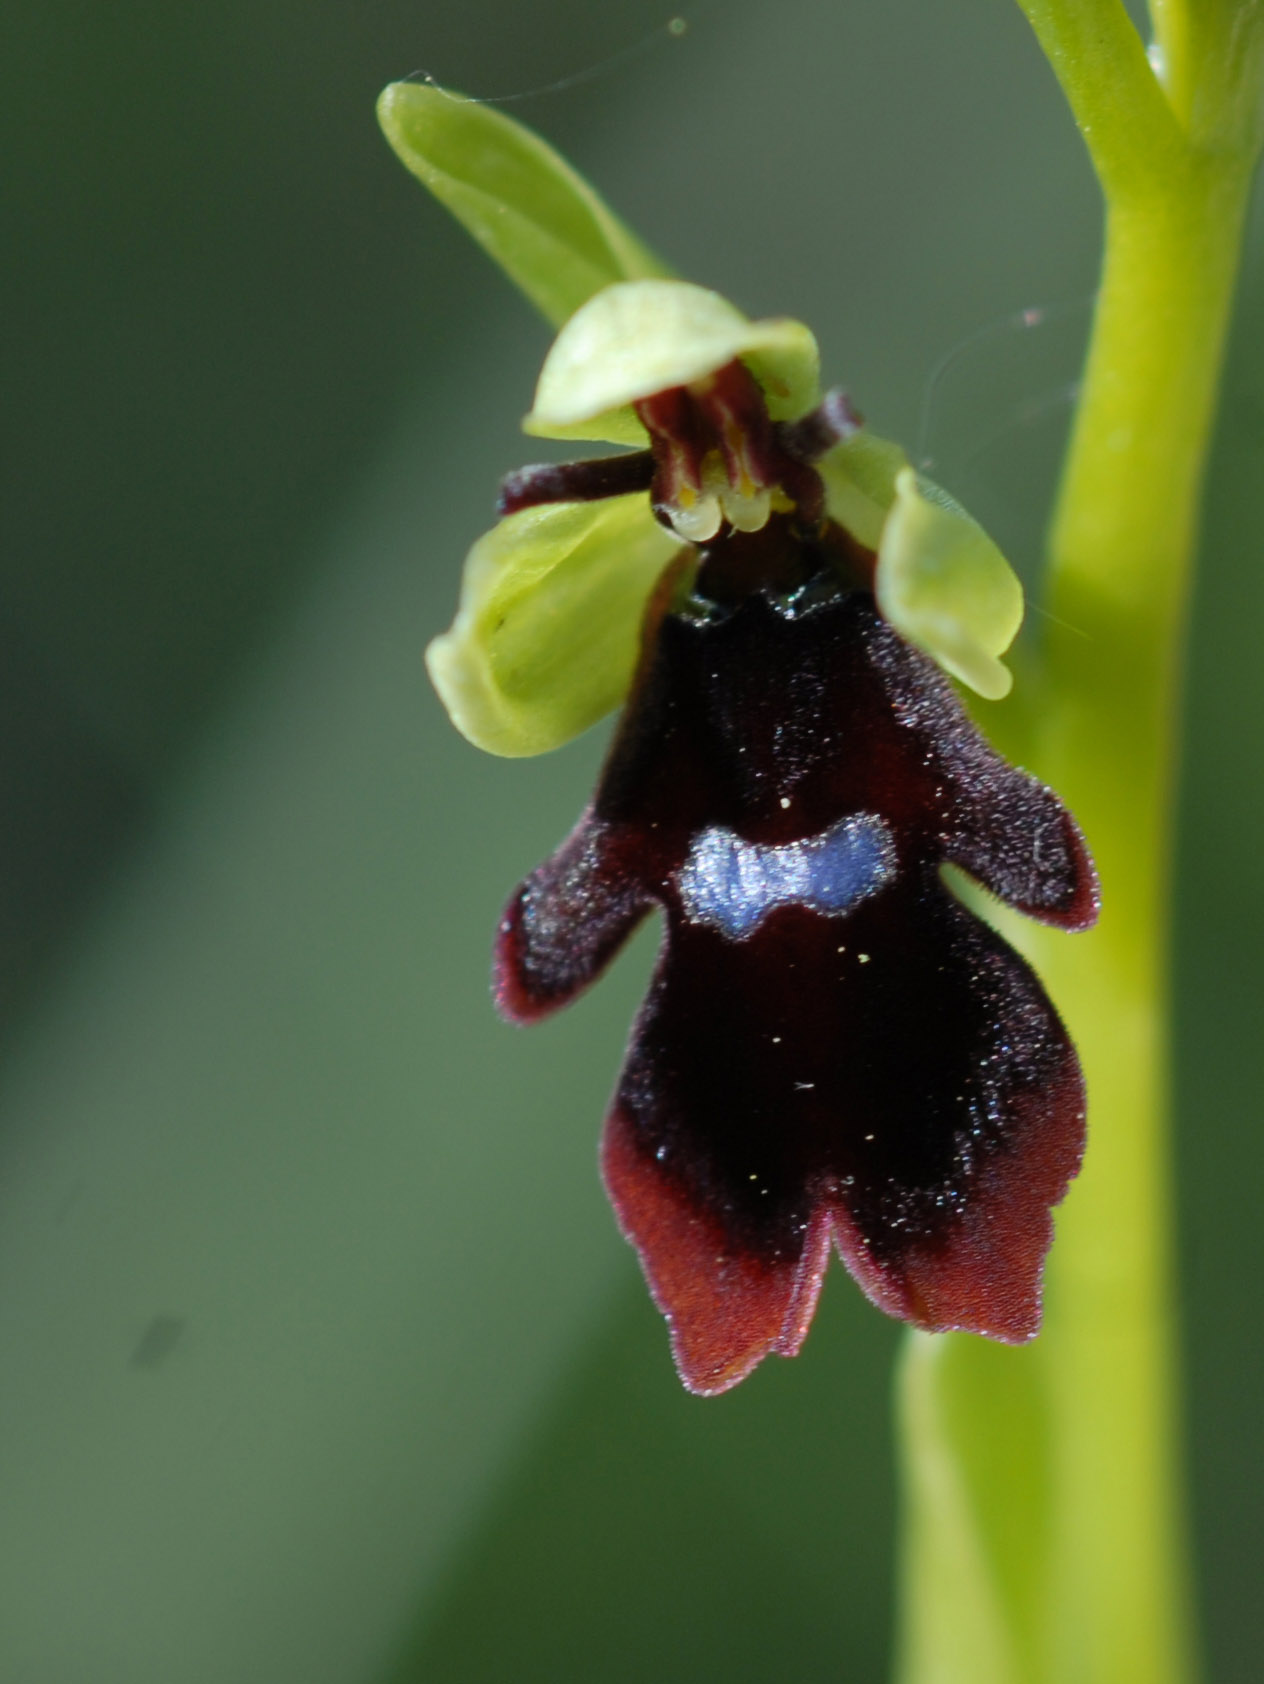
(833,1048)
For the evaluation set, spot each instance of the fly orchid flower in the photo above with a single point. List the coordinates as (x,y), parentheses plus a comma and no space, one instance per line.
(834,1051)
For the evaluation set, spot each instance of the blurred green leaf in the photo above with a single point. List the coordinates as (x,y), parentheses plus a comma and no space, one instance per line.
(529,210)
(974,1417)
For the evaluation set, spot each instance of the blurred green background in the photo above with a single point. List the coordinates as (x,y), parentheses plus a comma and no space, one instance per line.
(320,1358)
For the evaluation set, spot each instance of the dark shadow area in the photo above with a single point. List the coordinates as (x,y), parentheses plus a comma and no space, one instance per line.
(1219,991)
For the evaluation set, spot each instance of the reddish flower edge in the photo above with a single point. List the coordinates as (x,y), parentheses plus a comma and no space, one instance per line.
(728,1307)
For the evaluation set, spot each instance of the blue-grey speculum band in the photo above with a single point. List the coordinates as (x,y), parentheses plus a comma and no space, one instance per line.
(731,885)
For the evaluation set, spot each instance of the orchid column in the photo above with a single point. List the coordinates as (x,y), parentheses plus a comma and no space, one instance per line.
(1044,1503)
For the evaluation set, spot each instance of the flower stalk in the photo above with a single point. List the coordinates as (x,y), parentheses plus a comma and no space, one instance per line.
(1044,1504)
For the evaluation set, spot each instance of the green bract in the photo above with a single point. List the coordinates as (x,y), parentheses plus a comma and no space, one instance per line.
(641,337)
(545,638)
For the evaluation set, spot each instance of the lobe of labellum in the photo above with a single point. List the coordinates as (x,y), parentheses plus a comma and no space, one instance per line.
(930,1149)
(726,1307)
(638,338)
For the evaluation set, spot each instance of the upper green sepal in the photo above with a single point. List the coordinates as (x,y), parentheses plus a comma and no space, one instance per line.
(547,633)
(524,204)
(638,338)
(940,580)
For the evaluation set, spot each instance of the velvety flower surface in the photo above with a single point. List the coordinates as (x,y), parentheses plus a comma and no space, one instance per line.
(834,1050)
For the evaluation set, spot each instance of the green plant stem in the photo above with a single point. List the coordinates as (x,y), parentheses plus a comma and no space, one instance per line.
(1045,1541)
(1120,560)
(1127,121)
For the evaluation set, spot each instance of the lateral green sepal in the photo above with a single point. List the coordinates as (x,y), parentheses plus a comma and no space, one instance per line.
(546,637)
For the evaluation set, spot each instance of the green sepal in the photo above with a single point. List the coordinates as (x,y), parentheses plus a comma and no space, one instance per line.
(643,337)
(530,211)
(616,426)
(546,638)
(940,580)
